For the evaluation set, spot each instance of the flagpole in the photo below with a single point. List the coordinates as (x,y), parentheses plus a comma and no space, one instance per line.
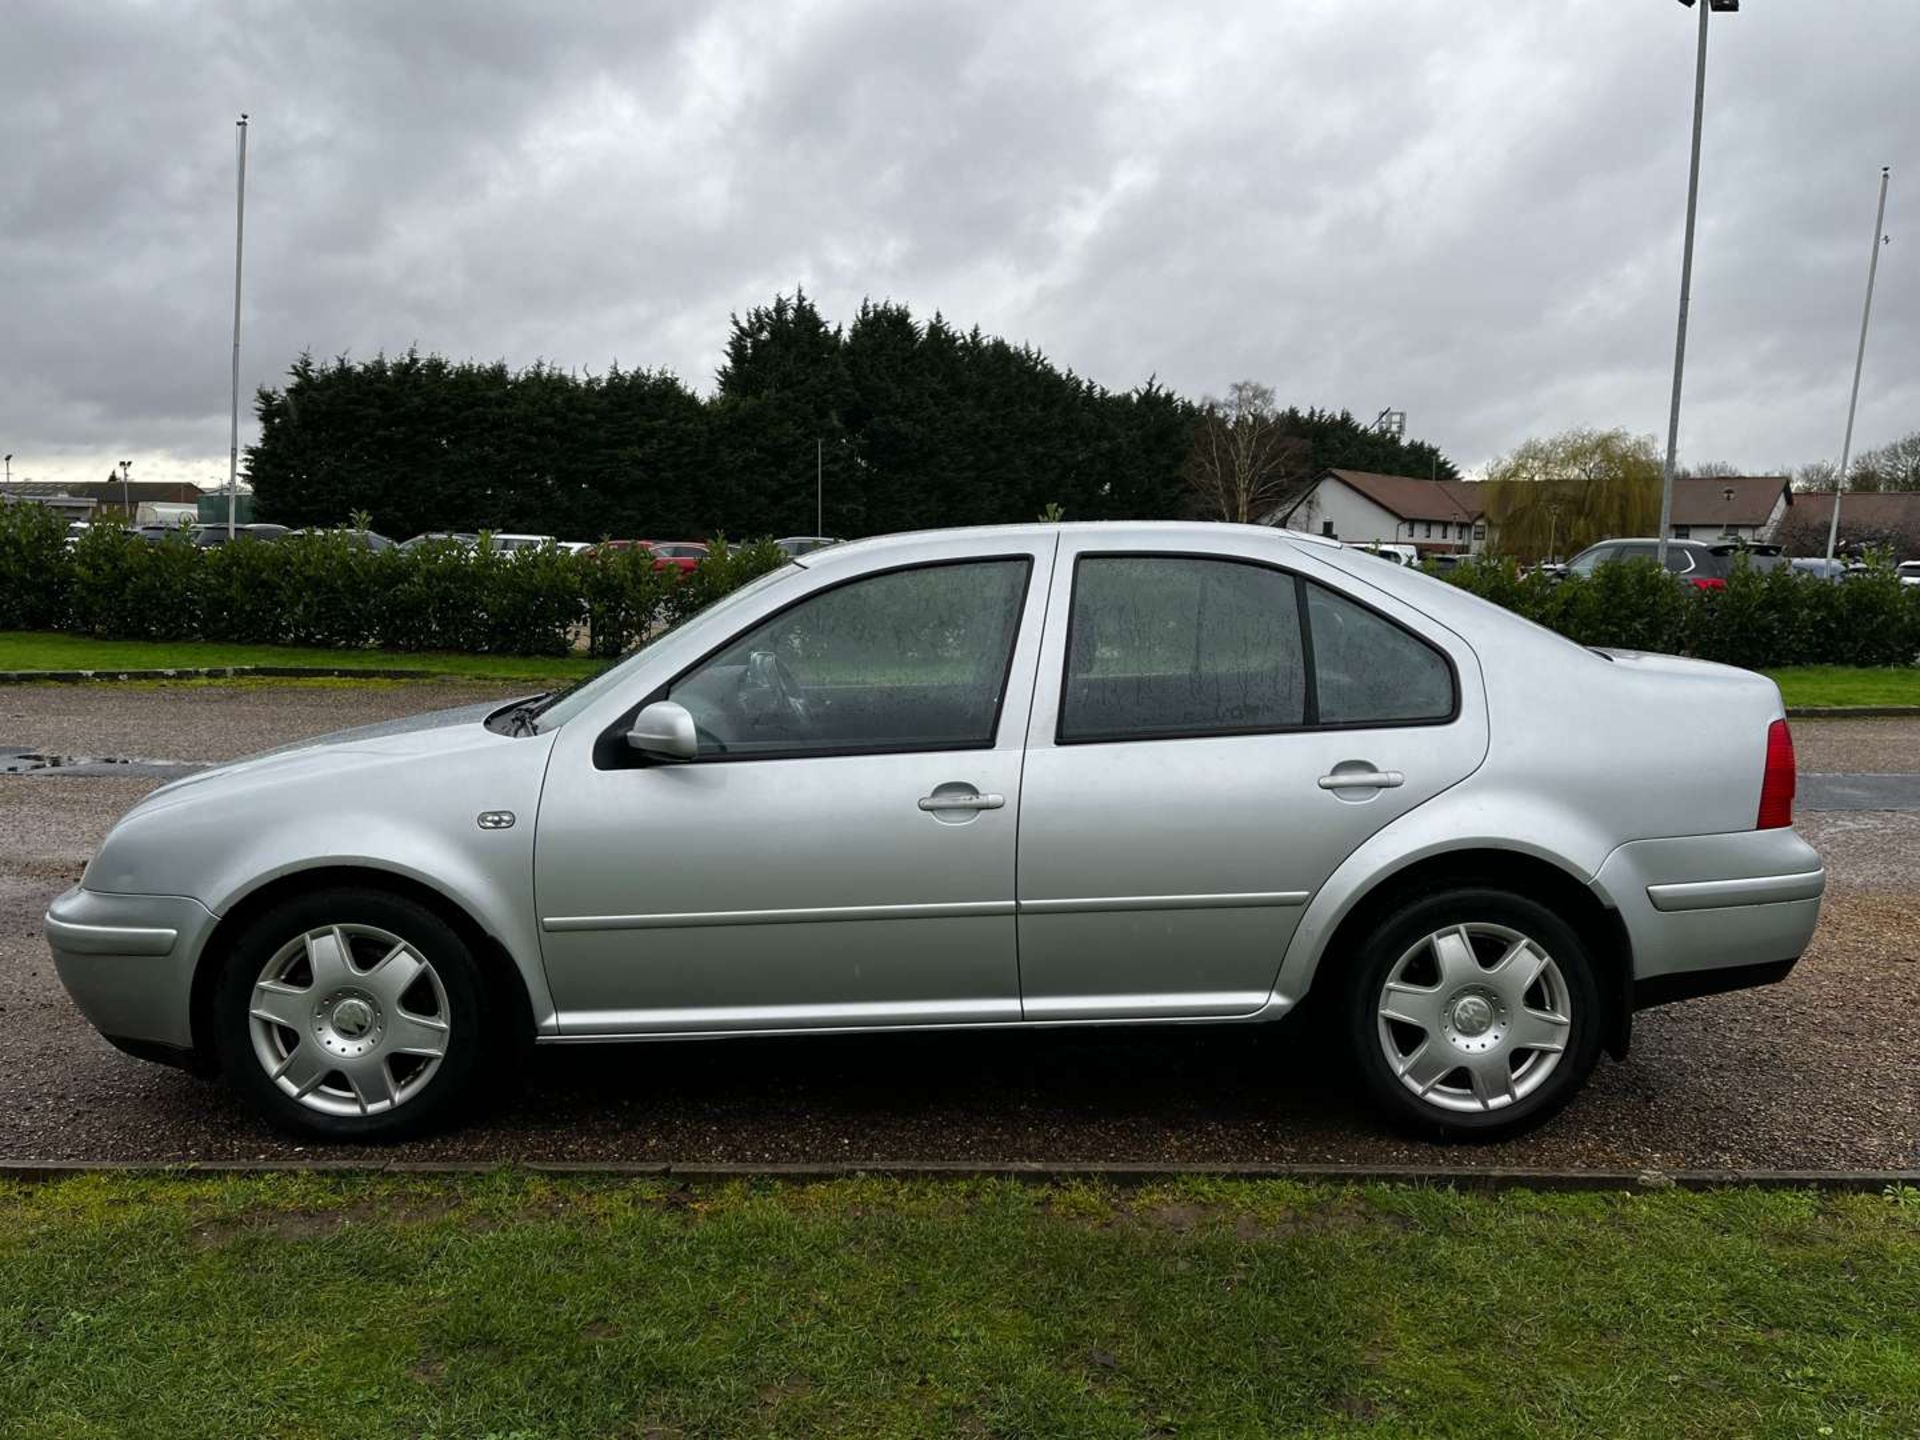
(239,246)
(1859,359)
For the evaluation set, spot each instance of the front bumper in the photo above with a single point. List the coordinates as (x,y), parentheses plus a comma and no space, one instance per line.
(127,961)
(1706,913)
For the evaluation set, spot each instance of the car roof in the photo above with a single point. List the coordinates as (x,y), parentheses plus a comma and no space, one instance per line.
(1145,532)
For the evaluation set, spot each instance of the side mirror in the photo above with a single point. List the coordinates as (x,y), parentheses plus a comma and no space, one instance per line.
(664,731)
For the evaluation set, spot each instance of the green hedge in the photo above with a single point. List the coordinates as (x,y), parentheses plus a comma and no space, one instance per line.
(323,590)
(1762,618)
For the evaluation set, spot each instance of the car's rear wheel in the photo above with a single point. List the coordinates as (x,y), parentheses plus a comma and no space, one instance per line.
(351,1015)
(1473,1014)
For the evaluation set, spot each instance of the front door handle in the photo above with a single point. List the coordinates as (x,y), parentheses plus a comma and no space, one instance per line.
(961,800)
(1362,780)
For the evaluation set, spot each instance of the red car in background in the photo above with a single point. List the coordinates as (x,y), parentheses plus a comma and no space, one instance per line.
(680,555)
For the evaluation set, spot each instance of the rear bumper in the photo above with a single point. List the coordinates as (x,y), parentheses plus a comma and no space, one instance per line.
(1707,913)
(127,961)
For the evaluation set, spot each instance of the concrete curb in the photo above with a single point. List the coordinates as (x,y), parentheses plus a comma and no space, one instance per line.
(214,672)
(1480,1179)
(1850,712)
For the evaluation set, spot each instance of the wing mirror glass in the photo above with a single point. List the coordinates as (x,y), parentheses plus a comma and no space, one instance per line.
(664,731)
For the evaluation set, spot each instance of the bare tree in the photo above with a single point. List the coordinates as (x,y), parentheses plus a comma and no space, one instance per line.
(1243,459)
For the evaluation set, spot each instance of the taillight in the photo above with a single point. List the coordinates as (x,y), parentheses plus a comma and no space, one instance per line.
(1776,790)
(1708,582)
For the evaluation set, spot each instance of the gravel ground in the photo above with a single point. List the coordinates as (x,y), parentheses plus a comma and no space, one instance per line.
(1879,747)
(1814,1073)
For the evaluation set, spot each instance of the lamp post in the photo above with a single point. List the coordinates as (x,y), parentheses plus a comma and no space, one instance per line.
(126,490)
(9,469)
(1686,267)
(1726,526)
(1553,530)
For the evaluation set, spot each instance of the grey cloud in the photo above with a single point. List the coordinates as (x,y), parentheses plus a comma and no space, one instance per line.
(1464,208)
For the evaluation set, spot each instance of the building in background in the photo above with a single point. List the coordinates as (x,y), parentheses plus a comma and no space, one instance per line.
(112,499)
(1869,520)
(1434,516)
(1729,507)
(54,497)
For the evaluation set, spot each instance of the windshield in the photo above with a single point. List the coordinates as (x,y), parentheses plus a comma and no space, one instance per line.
(575,698)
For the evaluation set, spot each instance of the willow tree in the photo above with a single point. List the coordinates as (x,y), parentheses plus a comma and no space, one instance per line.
(1558,494)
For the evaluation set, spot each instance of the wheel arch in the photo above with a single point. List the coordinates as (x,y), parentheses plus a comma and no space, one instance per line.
(506,985)
(1598,925)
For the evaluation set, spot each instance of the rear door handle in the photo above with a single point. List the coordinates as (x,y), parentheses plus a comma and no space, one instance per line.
(1362,780)
(975,801)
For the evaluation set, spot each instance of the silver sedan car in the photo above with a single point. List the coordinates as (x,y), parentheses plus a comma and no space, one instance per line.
(1042,775)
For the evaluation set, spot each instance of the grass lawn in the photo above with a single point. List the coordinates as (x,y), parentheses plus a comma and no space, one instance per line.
(1823,685)
(36,650)
(514,1305)
(1848,685)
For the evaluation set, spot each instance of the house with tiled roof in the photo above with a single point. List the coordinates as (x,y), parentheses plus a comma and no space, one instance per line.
(1360,507)
(1729,507)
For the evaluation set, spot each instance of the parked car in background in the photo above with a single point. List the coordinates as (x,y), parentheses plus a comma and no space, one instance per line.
(804,544)
(680,555)
(462,538)
(364,539)
(1818,567)
(574,547)
(508,543)
(1697,562)
(1908,571)
(1385,550)
(208,535)
(1022,776)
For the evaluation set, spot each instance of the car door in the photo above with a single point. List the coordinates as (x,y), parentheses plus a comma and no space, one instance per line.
(841,850)
(1212,734)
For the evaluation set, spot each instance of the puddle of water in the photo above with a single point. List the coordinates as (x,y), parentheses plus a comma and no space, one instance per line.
(35,762)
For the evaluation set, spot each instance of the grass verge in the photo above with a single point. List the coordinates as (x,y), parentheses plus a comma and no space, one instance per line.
(513,1305)
(37,650)
(1802,685)
(1844,685)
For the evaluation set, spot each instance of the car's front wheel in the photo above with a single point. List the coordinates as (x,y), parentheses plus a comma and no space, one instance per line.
(1473,1014)
(350,1015)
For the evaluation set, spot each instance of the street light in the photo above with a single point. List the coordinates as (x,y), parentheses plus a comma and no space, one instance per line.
(1686,267)
(1726,526)
(126,489)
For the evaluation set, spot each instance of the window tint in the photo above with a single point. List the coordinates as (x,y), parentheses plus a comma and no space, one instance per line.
(1171,645)
(914,659)
(1368,670)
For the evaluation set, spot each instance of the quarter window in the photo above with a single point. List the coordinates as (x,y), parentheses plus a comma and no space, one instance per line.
(1368,671)
(1159,646)
(908,660)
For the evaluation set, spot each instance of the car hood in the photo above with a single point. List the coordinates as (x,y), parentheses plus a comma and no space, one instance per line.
(433,733)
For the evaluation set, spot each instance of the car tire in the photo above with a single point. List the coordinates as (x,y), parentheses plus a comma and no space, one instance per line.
(351,1015)
(1472,1014)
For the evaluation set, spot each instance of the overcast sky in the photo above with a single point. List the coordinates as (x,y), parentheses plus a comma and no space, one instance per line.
(1466,209)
